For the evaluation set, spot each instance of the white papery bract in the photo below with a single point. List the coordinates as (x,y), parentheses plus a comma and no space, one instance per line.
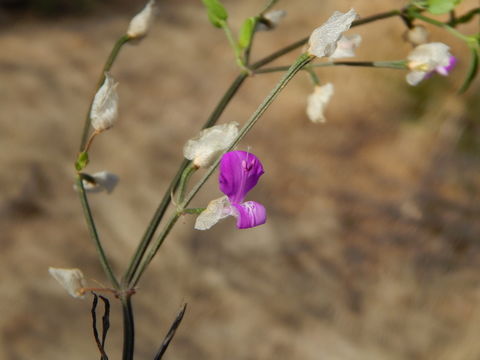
(417,35)
(101,181)
(346,46)
(427,58)
(204,149)
(216,210)
(104,111)
(270,20)
(140,23)
(317,101)
(71,280)
(323,40)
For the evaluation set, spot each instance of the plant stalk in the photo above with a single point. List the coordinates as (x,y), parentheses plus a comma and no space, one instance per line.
(94,234)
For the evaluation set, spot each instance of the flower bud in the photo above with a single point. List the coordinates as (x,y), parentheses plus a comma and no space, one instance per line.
(71,280)
(323,40)
(104,111)
(140,23)
(317,102)
(427,59)
(204,149)
(417,35)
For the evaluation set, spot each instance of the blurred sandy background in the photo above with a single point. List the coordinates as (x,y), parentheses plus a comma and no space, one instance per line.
(371,249)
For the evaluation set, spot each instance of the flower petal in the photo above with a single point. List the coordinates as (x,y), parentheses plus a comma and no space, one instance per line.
(414,77)
(445,70)
(250,214)
(239,173)
(216,210)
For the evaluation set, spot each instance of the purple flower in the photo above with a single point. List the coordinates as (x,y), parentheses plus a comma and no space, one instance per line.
(239,173)
(427,59)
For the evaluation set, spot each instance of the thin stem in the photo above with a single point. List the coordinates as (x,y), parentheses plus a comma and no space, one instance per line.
(234,45)
(165,202)
(94,234)
(90,140)
(450,29)
(151,254)
(128,328)
(108,65)
(399,65)
(187,173)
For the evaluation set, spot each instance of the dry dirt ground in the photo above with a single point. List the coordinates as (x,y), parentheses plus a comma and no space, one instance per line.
(371,249)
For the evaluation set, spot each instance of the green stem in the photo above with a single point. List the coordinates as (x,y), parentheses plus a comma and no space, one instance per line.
(440,24)
(162,207)
(108,65)
(153,250)
(312,73)
(128,328)
(193,211)
(94,234)
(234,45)
(400,65)
(187,173)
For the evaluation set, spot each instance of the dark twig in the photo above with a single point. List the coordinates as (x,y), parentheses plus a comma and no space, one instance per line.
(171,333)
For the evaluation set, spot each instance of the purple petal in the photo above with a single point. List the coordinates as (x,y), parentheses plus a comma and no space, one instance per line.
(250,214)
(445,70)
(239,173)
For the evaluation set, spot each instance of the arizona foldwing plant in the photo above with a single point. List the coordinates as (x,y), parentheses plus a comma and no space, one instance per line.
(218,147)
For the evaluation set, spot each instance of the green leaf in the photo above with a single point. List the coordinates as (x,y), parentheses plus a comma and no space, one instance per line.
(246,32)
(472,71)
(216,12)
(441,6)
(82,161)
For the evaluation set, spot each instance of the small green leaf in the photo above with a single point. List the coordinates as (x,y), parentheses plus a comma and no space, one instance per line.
(441,6)
(472,71)
(246,32)
(216,12)
(82,161)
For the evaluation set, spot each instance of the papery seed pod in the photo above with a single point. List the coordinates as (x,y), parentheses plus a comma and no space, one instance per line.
(104,111)
(323,40)
(140,23)
(71,280)
(317,102)
(204,149)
